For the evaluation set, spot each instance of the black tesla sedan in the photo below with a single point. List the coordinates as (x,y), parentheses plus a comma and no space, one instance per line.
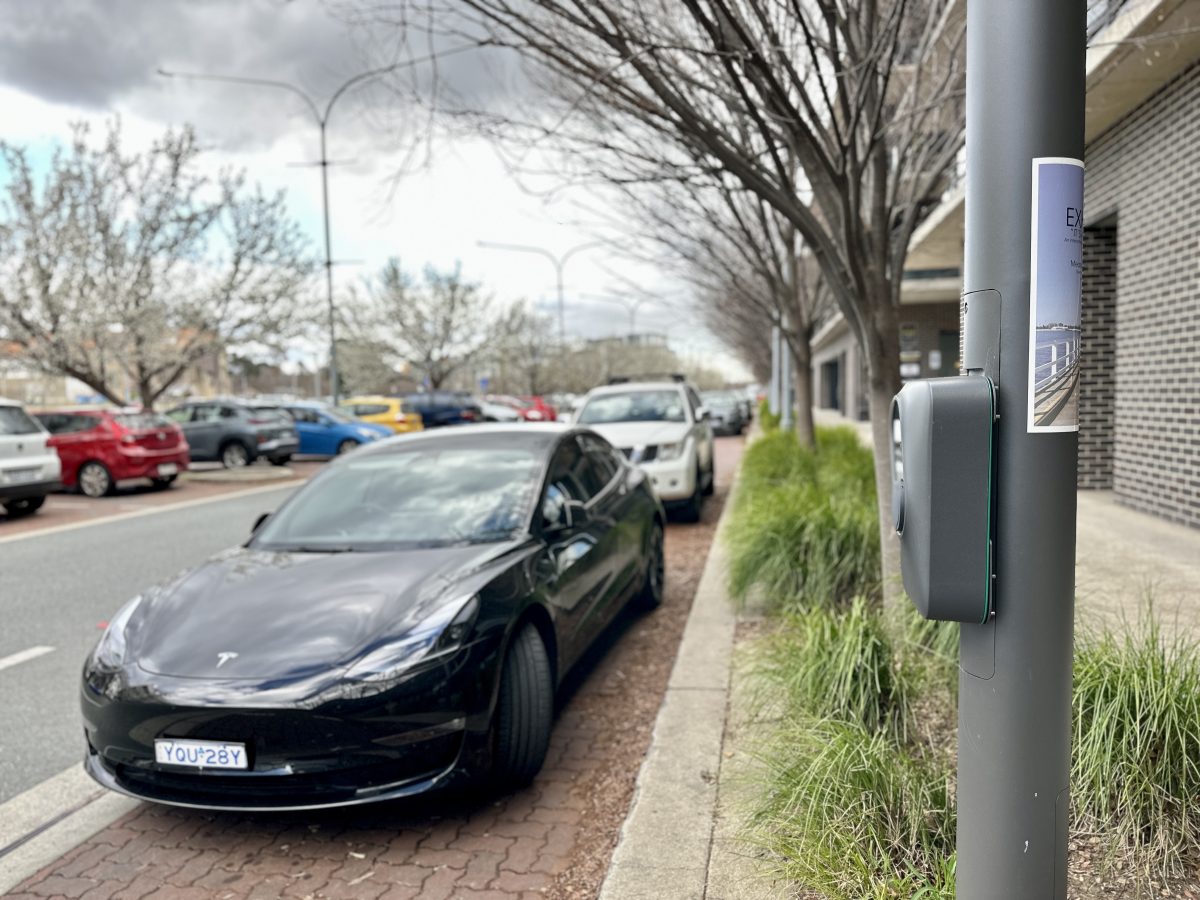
(401,623)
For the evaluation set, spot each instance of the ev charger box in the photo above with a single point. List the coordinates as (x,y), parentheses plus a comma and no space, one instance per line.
(942,433)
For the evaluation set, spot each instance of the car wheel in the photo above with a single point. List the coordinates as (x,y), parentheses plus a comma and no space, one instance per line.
(710,483)
(651,594)
(346,446)
(695,503)
(524,711)
(24,507)
(94,479)
(281,460)
(234,455)
(161,484)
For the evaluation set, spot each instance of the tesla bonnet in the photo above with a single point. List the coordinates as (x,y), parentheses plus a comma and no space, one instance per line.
(401,623)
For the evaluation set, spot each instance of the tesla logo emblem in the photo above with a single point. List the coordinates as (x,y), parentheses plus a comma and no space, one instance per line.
(223,658)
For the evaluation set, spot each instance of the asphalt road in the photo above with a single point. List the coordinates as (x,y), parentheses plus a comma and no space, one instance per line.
(56,589)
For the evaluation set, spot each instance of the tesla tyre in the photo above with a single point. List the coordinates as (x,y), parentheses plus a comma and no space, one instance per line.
(94,479)
(346,446)
(26,506)
(234,455)
(524,711)
(651,594)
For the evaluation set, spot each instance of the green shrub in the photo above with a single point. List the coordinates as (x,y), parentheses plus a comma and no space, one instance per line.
(1135,776)
(842,812)
(804,530)
(768,420)
(835,664)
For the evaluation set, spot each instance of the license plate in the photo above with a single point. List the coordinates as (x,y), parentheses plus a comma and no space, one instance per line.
(200,754)
(167,468)
(18,476)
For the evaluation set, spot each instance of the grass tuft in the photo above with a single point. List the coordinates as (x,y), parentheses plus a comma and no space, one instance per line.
(1135,775)
(844,813)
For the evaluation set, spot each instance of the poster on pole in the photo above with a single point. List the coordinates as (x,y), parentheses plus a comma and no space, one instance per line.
(1055,289)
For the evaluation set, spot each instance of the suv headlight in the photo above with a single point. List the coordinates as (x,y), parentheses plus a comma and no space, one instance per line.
(668,452)
(438,636)
(110,652)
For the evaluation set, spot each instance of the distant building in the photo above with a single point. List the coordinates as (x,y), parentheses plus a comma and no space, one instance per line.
(1139,406)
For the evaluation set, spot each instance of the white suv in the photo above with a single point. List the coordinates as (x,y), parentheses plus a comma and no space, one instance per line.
(662,427)
(29,470)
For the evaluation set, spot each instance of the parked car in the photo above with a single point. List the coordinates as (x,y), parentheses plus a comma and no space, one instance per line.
(724,412)
(391,412)
(101,447)
(29,467)
(498,412)
(234,433)
(401,623)
(538,410)
(524,409)
(663,427)
(438,408)
(326,431)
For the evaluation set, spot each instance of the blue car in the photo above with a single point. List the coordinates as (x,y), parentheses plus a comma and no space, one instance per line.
(325,431)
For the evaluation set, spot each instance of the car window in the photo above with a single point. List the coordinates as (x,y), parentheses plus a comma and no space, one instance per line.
(370,409)
(14,420)
(601,455)
(180,414)
(300,414)
(573,473)
(206,412)
(139,421)
(228,412)
(664,405)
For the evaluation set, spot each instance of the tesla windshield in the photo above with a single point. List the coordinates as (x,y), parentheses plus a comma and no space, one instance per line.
(635,406)
(413,498)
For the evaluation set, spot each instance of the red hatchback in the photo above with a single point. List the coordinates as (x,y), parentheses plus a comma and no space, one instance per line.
(99,447)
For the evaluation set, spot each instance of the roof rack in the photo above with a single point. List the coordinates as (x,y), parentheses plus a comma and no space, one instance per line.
(677,377)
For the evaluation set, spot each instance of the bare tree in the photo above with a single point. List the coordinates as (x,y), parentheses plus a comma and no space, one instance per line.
(844,117)
(139,263)
(437,324)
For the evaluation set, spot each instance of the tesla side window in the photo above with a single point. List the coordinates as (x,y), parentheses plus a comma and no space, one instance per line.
(600,455)
(572,475)
(408,498)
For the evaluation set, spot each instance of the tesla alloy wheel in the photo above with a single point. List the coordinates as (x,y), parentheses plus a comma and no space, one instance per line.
(524,711)
(94,480)
(651,594)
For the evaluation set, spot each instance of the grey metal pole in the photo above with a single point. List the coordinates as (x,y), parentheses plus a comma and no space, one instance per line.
(334,380)
(785,382)
(773,388)
(1025,101)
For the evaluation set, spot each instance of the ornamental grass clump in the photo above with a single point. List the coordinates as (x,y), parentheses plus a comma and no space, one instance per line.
(842,812)
(803,532)
(1135,777)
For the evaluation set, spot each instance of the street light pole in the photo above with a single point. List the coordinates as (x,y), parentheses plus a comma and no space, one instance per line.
(322,120)
(559,263)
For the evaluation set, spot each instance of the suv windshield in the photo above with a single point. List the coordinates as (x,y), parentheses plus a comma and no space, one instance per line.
(634,406)
(415,498)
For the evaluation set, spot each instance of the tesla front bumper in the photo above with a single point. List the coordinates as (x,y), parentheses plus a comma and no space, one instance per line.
(338,748)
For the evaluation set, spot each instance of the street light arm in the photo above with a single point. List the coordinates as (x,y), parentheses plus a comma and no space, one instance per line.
(259,82)
(522,248)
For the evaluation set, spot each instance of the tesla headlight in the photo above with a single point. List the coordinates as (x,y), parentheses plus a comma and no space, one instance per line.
(668,452)
(438,636)
(110,652)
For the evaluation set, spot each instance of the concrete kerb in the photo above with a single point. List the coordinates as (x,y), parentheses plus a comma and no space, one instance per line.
(666,841)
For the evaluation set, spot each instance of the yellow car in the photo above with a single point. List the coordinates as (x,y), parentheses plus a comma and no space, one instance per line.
(389,411)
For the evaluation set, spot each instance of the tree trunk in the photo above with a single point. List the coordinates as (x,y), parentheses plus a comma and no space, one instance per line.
(883,361)
(802,381)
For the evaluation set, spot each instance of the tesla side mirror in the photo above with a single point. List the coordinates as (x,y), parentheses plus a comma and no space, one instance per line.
(556,515)
(578,512)
(258,523)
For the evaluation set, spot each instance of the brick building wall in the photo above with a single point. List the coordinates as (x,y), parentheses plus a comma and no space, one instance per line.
(1098,357)
(1145,171)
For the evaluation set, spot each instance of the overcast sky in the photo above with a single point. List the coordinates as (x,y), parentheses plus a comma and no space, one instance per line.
(68,60)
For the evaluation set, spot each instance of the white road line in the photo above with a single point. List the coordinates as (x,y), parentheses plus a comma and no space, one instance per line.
(121,517)
(7,662)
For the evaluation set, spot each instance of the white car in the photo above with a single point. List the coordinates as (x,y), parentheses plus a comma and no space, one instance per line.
(662,427)
(29,469)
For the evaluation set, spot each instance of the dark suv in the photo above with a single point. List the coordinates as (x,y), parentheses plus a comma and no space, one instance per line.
(444,407)
(235,434)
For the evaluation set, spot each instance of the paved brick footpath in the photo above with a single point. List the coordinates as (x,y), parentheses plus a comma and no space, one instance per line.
(551,840)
